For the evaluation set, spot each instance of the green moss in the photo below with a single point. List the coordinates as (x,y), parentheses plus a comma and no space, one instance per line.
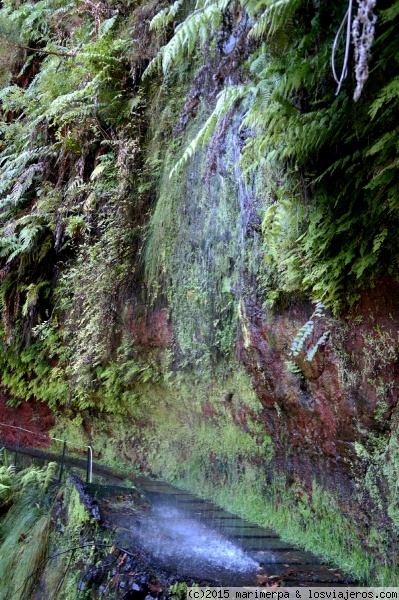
(25,530)
(207,435)
(77,515)
(197,256)
(314,523)
(74,528)
(193,435)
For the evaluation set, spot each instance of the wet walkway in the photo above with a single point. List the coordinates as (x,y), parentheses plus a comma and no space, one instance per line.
(190,536)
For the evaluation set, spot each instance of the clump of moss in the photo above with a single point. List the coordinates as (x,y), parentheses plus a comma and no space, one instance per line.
(25,531)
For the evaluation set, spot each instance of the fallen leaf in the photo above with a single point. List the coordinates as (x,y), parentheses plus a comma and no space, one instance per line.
(272,581)
(155,587)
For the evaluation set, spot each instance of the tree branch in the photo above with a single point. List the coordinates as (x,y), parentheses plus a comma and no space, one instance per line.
(23,47)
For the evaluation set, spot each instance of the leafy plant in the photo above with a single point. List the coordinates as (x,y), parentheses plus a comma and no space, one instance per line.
(307,142)
(306,330)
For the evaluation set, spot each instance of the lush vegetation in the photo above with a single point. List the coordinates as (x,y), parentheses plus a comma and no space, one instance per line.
(163,168)
(324,165)
(47,537)
(236,92)
(69,133)
(26,498)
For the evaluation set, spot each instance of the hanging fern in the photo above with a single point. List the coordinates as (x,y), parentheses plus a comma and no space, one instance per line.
(199,25)
(306,330)
(276,15)
(166,15)
(226,100)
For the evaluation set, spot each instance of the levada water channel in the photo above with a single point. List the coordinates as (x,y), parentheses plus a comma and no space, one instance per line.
(196,539)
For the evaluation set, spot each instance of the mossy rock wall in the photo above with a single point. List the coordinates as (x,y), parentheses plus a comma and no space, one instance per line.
(199,255)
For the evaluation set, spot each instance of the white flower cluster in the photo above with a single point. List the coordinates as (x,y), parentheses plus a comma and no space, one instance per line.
(363,28)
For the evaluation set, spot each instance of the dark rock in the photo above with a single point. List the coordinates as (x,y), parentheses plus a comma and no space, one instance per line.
(90,504)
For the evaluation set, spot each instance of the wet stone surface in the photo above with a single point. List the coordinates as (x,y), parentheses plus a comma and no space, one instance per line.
(184,536)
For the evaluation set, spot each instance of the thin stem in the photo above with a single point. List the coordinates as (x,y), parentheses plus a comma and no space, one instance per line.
(23,47)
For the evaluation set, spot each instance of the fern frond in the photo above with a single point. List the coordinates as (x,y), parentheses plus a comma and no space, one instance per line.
(24,182)
(275,17)
(389,93)
(391,13)
(12,98)
(106,26)
(32,296)
(226,99)
(198,25)
(25,241)
(187,34)
(154,66)
(165,16)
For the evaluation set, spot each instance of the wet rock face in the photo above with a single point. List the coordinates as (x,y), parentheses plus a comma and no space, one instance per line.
(89,503)
(149,330)
(316,412)
(36,417)
(347,392)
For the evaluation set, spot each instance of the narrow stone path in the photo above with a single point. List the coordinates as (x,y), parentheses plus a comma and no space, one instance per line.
(194,537)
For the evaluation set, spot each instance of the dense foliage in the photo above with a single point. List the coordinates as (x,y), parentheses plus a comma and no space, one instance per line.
(168,174)
(325,166)
(25,500)
(181,157)
(69,131)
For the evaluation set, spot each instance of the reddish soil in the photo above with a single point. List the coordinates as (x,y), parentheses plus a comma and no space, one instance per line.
(35,417)
(149,330)
(347,391)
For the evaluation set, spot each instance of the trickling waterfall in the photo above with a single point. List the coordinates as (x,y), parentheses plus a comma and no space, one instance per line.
(181,541)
